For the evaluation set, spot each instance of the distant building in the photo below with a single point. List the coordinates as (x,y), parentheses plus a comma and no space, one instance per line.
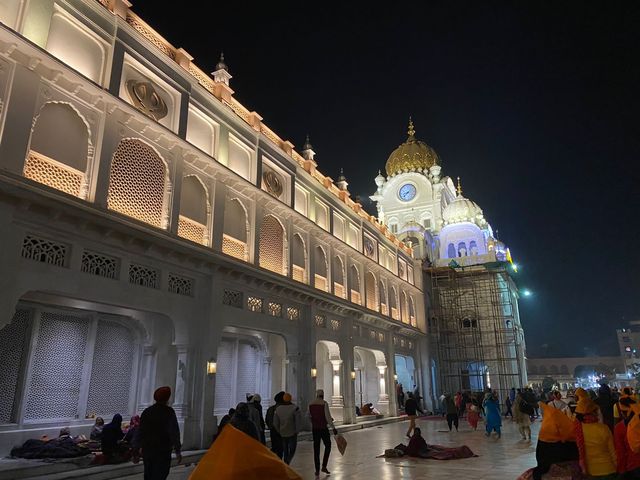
(572,372)
(629,343)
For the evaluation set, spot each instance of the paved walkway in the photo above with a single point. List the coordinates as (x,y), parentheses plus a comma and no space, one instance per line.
(505,458)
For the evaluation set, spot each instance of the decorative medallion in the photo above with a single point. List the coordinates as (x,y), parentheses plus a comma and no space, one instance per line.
(272,183)
(146,99)
(369,248)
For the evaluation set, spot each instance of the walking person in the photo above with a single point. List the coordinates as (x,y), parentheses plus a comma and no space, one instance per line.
(287,420)
(411,408)
(473,414)
(276,439)
(452,411)
(241,420)
(321,421)
(158,435)
(522,416)
(508,403)
(492,407)
(255,414)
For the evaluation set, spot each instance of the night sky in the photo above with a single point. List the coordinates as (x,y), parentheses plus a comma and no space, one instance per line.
(534,106)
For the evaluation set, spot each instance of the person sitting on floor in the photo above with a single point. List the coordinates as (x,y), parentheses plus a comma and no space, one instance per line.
(417,445)
(367,409)
(96,430)
(113,449)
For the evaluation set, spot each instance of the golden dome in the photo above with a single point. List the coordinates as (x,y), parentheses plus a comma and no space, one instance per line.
(412,155)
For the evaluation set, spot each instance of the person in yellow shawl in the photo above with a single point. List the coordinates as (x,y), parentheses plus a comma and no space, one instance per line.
(620,410)
(556,440)
(235,455)
(594,441)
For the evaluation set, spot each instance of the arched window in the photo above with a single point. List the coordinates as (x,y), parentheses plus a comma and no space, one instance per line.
(272,246)
(370,291)
(393,303)
(451,251)
(299,259)
(239,159)
(412,312)
(138,183)
(382,292)
(321,280)
(58,150)
(338,273)
(354,285)
(462,249)
(235,230)
(473,248)
(405,307)
(194,211)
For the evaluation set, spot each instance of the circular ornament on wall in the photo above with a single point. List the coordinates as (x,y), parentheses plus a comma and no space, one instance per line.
(272,182)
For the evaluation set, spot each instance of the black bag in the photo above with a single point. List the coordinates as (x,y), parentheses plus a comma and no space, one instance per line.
(526,407)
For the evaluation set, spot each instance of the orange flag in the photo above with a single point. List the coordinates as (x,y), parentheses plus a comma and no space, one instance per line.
(236,455)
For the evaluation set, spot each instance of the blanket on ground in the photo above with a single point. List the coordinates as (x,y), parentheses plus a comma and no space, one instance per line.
(63,447)
(435,452)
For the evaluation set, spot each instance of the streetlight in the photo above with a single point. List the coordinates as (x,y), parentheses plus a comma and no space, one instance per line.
(527,293)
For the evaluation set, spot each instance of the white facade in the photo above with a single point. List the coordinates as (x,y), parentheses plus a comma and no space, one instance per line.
(477,340)
(150,224)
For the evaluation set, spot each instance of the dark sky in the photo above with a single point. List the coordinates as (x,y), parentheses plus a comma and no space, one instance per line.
(533,104)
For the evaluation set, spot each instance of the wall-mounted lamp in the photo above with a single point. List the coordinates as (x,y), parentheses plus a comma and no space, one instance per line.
(314,372)
(212,367)
(353,374)
(395,376)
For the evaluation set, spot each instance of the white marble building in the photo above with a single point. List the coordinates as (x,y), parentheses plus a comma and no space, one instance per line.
(153,228)
(477,339)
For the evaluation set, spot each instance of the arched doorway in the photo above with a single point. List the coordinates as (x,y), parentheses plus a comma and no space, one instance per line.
(371,384)
(406,372)
(329,376)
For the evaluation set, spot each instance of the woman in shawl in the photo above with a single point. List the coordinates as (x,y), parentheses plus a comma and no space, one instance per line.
(134,425)
(492,407)
(112,448)
(595,442)
(473,413)
(96,430)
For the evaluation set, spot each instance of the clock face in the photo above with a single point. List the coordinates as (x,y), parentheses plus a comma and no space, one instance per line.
(407,192)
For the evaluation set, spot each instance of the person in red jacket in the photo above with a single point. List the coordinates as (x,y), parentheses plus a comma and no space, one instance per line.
(321,421)
(628,461)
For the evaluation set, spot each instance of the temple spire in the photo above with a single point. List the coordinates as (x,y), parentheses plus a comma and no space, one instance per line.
(459,189)
(411,130)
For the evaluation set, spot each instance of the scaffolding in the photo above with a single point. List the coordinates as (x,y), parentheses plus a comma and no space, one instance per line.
(477,341)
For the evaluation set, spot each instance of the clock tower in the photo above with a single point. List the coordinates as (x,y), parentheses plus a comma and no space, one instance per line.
(410,199)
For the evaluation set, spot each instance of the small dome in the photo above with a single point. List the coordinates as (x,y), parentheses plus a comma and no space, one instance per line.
(221,65)
(413,155)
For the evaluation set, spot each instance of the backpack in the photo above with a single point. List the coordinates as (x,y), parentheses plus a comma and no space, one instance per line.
(526,407)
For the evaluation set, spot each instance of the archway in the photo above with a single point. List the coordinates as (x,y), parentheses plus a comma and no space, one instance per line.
(329,375)
(406,372)
(371,384)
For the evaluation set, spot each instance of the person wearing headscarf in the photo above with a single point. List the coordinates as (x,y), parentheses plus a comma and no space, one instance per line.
(112,436)
(556,440)
(255,414)
(494,420)
(96,430)
(287,420)
(276,439)
(620,409)
(158,435)
(628,461)
(242,421)
(134,425)
(605,402)
(597,453)
(417,445)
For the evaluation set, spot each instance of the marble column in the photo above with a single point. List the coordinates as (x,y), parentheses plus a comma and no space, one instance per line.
(383,399)
(337,400)
(180,397)
(148,377)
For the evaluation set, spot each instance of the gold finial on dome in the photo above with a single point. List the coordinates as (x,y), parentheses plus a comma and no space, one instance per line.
(411,156)
(459,189)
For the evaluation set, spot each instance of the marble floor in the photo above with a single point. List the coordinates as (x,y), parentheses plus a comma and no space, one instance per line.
(503,458)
